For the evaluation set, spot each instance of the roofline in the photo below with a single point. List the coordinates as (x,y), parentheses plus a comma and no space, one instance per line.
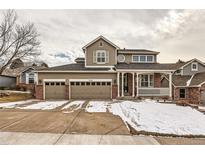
(100,37)
(191,62)
(143,70)
(8,76)
(74,71)
(138,51)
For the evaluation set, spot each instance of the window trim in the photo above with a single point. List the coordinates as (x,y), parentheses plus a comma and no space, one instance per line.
(100,51)
(142,61)
(184,93)
(196,66)
(149,81)
(31,78)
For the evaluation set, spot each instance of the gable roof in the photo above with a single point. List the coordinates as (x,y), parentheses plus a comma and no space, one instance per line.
(190,61)
(18,71)
(98,38)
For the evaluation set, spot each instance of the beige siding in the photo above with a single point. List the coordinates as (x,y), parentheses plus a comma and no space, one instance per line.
(96,46)
(67,76)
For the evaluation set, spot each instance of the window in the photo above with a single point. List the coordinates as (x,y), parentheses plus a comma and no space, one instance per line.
(100,56)
(103,83)
(146,80)
(87,83)
(194,66)
(52,83)
(31,78)
(57,83)
(135,58)
(101,44)
(143,58)
(98,83)
(47,83)
(82,83)
(62,83)
(178,72)
(93,83)
(150,59)
(182,93)
(108,83)
(72,83)
(77,83)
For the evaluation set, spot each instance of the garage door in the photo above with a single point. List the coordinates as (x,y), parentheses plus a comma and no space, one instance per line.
(203,97)
(90,90)
(54,90)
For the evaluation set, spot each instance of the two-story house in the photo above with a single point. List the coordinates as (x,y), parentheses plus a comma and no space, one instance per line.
(109,72)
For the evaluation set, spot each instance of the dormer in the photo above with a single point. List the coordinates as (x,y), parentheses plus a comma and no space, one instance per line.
(137,56)
(100,53)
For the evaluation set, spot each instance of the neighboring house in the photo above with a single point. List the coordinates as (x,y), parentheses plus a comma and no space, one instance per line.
(25,76)
(7,81)
(108,71)
(188,82)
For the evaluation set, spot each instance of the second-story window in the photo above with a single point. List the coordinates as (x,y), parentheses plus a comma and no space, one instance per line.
(194,66)
(143,58)
(101,56)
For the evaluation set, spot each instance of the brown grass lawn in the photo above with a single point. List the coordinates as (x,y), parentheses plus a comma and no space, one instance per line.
(15,97)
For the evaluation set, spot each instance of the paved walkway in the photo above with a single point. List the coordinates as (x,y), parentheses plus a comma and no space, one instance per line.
(10,138)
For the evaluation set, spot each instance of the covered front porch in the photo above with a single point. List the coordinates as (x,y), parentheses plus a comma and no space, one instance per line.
(144,84)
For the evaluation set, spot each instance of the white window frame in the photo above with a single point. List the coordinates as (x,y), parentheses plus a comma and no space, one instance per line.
(100,51)
(193,68)
(184,93)
(29,77)
(142,61)
(149,82)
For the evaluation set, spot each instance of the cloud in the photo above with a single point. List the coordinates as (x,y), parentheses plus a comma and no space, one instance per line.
(177,34)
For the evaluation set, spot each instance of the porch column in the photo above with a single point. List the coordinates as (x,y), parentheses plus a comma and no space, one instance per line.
(122,93)
(133,84)
(118,84)
(170,85)
(137,91)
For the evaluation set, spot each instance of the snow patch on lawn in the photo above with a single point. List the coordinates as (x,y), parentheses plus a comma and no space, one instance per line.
(10,105)
(151,116)
(46,105)
(97,106)
(72,106)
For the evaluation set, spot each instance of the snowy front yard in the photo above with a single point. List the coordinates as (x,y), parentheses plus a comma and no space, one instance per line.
(150,116)
(155,117)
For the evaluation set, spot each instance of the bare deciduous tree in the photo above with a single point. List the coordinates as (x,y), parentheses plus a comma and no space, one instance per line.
(16,41)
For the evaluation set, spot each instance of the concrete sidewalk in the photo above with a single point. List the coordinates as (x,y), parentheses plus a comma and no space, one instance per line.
(14,138)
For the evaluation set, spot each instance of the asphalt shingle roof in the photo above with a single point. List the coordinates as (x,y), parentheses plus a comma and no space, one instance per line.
(74,67)
(152,66)
(197,79)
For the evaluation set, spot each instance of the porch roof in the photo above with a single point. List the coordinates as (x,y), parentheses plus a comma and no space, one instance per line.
(146,66)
